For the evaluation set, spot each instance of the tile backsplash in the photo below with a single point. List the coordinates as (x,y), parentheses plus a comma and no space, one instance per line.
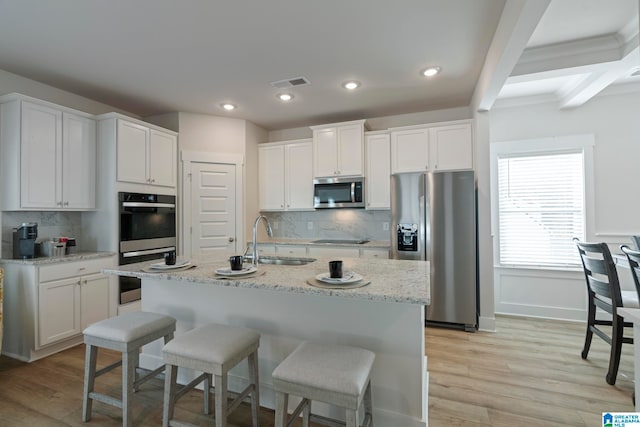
(331,224)
(50,224)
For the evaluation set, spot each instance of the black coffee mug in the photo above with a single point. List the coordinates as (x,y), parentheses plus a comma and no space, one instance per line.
(335,269)
(236,262)
(170,258)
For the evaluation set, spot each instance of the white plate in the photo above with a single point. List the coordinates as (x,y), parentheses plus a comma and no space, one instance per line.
(229,272)
(347,277)
(163,266)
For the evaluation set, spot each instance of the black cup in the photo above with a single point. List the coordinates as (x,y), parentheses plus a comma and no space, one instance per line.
(335,269)
(236,262)
(170,258)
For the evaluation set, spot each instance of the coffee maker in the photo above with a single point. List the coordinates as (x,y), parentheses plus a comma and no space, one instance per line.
(24,240)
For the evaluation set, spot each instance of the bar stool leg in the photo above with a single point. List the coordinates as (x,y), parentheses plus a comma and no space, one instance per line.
(306,414)
(221,399)
(368,406)
(90,358)
(207,394)
(128,379)
(282,402)
(255,394)
(352,418)
(171,376)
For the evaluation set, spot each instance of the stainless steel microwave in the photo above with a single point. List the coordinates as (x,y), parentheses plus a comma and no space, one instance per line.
(330,193)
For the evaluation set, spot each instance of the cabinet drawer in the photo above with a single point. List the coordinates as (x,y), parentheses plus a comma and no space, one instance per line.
(287,250)
(333,252)
(63,270)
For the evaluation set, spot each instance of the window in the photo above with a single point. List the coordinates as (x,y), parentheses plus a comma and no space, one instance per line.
(541,207)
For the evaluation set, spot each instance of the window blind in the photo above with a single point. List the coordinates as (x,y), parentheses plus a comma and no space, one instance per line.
(541,208)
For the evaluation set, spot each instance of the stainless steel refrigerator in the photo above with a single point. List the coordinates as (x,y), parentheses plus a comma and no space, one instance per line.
(434,218)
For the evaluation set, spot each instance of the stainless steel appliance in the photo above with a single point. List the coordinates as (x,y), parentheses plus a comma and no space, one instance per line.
(331,193)
(24,240)
(147,231)
(434,218)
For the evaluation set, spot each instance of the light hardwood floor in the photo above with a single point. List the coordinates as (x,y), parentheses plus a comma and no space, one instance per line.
(528,373)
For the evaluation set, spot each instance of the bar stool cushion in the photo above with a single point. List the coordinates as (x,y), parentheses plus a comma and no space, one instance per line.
(208,347)
(329,373)
(129,327)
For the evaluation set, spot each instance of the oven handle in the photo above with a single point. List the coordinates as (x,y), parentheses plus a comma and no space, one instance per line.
(147,205)
(148,252)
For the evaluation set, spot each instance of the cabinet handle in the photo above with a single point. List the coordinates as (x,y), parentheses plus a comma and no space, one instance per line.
(427,166)
(153,180)
(282,206)
(81,268)
(59,204)
(288,206)
(66,203)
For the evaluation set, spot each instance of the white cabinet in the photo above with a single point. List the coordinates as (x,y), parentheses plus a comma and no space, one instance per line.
(380,253)
(290,250)
(378,172)
(48,306)
(48,156)
(432,148)
(338,149)
(333,251)
(144,155)
(285,176)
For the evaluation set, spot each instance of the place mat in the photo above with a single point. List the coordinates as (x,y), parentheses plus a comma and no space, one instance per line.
(244,276)
(318,284)
(173,270)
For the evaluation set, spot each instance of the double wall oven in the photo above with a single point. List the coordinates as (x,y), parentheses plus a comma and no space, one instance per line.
(147,231)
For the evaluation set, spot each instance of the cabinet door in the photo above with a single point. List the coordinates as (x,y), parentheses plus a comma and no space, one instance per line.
(451,147)
(271,182)
(299,176)
(162,158)
(40,157)
(132,152)
(58,310)
(78,162)
(325,152)
(410,150)
(94,299)
(350,150)
(378,182)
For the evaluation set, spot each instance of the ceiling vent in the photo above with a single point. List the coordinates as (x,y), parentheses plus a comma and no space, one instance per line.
(292,82)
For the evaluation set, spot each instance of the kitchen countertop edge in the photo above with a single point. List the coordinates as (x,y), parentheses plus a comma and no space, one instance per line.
(80,256)
(383,244)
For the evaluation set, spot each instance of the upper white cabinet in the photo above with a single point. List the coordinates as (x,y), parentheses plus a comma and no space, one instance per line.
(285,176)
(48,156)
(144,155)
(338,149)
(378,171)
(432,148)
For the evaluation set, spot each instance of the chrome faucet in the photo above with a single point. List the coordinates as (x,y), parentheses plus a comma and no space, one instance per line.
(254,257)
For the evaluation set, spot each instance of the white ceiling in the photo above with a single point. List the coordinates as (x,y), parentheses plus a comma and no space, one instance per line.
(156,56)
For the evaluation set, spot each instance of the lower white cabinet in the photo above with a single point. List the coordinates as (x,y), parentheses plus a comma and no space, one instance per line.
(381,253)
(47,306)
(289,250)
(333,251)
(320,251)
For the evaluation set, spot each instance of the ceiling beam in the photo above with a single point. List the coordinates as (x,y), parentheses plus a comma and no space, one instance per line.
(517,22)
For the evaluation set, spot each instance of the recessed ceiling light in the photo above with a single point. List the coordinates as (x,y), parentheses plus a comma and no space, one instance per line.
(351,85)
(228,107)
(285,97)
(431,71)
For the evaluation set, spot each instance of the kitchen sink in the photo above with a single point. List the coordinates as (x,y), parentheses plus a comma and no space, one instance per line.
(284,260)
(343,241)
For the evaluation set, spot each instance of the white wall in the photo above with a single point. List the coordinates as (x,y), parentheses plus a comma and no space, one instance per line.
(613,119)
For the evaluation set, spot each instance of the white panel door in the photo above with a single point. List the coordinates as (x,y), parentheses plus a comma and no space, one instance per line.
(40,157)
(78,162)
(162,158)
(213,207)
(132,152)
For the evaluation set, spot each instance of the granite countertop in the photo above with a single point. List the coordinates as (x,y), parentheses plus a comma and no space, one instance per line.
(399,281)
(80,256)
(385,244)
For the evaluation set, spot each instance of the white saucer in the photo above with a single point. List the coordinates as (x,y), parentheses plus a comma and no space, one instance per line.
(229,272)
(348,277)
(163,266)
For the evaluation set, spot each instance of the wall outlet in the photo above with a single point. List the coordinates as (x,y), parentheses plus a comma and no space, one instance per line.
(275,225)
(309,225)
(385,226)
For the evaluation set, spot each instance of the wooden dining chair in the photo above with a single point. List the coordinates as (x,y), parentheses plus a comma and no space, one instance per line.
(603,291)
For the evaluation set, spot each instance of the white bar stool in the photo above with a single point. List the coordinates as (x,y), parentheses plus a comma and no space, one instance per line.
(337,375)
(213,350)
(127,334)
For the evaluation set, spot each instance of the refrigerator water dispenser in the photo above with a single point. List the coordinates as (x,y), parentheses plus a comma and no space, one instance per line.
(407,237)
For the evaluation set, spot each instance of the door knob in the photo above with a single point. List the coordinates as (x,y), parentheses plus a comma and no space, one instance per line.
(231,239)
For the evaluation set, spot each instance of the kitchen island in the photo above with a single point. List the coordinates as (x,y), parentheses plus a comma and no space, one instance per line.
(385,316)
